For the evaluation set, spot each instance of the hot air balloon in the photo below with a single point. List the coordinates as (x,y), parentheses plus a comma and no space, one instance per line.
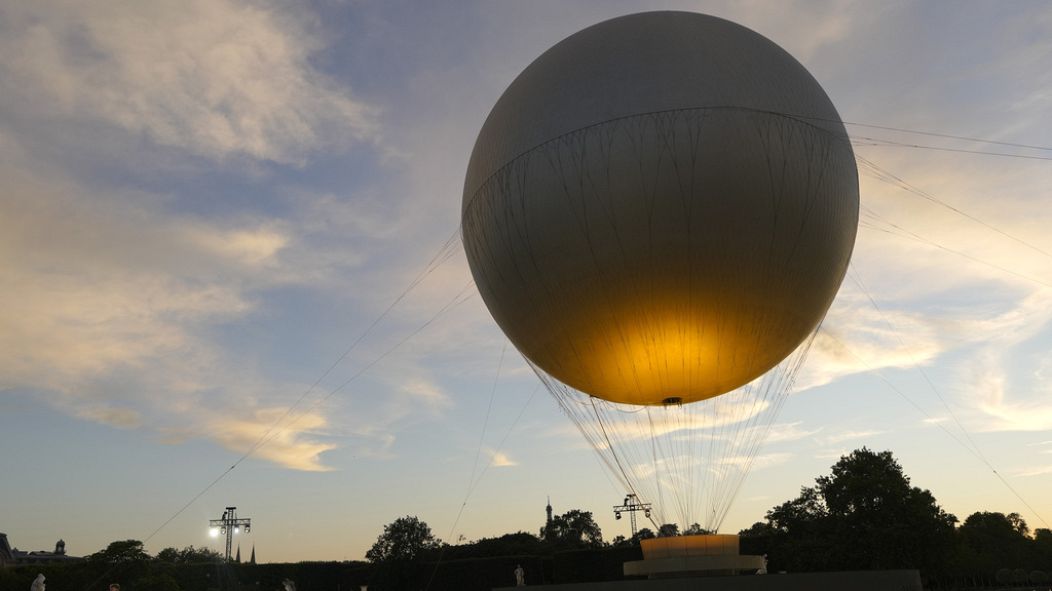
(658,212)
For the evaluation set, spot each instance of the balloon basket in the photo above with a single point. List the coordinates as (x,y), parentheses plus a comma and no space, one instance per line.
(692,556)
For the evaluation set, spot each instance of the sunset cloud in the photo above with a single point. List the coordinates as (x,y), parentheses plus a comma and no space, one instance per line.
(500,459)
(215,78)
(289,444)
(835,438)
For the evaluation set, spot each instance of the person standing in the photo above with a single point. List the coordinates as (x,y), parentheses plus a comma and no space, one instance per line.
(520,576)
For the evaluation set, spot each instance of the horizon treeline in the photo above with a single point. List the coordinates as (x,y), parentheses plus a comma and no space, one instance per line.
(864,515)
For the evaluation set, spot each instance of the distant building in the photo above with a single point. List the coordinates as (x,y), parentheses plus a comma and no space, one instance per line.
(6,555)
(14,557)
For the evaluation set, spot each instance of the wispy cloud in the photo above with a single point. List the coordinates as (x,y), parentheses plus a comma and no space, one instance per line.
(124,418)
(1002,410)
(500,459)
(93,289)
(786,21)
(215,78)
(831,453)
(835,438)
(783,432)
(993,312)
(857,338)
(758,462)
(117,295)
(109,304)
(1037,471)
(427,392)
(288,445)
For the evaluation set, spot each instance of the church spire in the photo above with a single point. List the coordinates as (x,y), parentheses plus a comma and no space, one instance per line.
(253,559)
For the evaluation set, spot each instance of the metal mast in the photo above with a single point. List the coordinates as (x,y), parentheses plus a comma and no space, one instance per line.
(631,505)
(230,524)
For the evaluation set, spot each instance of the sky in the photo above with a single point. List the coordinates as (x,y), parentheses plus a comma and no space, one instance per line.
(206,204)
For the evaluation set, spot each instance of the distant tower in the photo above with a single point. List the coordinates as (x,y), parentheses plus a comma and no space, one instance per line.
(548,521)
(253,559)
(238,559)
(60,548)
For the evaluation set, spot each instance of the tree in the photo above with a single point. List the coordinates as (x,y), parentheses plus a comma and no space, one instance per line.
(188,555)
(1018,524)
(513,544)
(644,533)
(757,539)
(802,533)
(864,515)
(574,528)
(121,552)
(168,555)
(757,530)
(404,539)
(695,529)
(668,530)
(1043,548)
(994,541)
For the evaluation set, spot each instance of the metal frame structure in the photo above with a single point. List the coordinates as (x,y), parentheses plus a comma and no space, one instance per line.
(230,524)
(631,506)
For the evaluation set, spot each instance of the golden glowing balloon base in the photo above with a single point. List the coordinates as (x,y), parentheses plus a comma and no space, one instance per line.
(692,556)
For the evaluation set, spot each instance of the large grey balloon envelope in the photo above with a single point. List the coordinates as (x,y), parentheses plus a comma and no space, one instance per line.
(660,208)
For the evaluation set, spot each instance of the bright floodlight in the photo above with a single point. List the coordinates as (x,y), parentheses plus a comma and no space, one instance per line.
(214,532)
(228,525)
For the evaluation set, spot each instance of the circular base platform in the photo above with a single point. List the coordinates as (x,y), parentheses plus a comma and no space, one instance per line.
(681,566)
(692,556)
(695,545)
